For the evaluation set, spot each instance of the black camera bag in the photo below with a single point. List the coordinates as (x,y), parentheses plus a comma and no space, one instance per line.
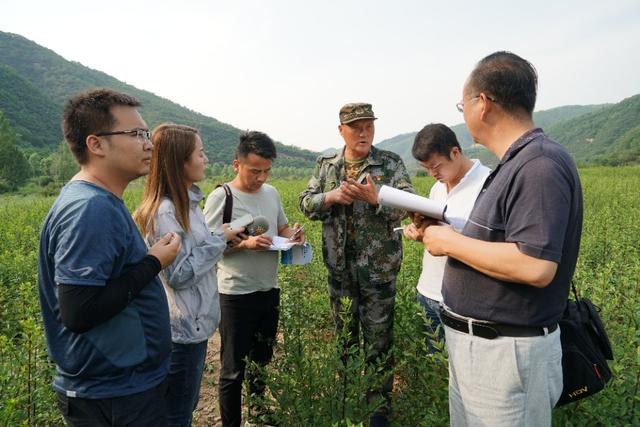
(585,350)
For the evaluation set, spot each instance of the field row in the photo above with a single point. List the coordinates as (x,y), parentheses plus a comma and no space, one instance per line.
(304,388)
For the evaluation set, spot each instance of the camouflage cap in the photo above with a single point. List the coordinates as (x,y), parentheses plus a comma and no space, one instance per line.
(356,111)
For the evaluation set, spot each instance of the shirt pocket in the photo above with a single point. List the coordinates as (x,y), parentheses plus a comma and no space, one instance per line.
(331,183)
(378,176)
(329,178)
(483,229)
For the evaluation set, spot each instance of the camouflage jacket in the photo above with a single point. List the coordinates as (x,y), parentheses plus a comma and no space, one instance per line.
(378,249)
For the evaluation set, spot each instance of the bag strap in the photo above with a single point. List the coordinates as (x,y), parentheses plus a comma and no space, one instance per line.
(573,288)
(578,306)
(589,317)
(228,203)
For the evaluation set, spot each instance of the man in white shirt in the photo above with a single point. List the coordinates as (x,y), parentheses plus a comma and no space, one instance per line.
(459,181)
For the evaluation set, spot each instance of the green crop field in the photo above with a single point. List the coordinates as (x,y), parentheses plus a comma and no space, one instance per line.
(305,387)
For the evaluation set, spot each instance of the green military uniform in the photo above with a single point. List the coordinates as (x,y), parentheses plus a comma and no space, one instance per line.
(361,251)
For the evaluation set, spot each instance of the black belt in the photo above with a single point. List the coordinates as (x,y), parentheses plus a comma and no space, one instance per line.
(490,330)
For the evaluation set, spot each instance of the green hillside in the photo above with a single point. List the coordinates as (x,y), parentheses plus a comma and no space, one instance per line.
(543,119)
(399,144)
(32,115)
(547,118)
(606,136)
(568,125)
(42,80)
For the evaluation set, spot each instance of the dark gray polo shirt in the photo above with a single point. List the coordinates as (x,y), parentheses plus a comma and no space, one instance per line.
(534,199)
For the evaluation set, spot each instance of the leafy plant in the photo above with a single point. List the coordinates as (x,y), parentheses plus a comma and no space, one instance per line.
(306,378)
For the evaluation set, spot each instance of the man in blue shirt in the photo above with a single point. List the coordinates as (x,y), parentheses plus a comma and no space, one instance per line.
(104,310)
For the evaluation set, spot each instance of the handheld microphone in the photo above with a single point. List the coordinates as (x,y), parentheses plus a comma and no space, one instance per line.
(253,226)
(259,226)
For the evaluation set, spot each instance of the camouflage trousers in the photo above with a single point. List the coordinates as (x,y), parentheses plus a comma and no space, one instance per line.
(371,309)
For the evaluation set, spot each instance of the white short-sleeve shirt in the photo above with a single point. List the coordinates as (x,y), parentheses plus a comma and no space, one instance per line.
(459,202)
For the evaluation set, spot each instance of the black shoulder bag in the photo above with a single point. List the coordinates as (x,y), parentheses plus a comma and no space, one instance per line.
(585,350)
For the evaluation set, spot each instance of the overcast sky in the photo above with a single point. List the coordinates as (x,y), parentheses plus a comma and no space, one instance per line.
(286,67)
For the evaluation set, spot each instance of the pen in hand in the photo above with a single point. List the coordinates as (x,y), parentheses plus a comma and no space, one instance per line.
(296,233)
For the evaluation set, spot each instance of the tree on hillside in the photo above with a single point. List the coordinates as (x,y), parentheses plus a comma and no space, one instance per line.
(63,165)
(213,170)
(35,162)
(14,167)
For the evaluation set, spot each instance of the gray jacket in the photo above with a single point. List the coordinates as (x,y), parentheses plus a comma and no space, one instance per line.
(190,281)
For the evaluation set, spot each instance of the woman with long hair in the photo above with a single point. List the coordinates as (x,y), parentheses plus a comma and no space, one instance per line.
(171,204)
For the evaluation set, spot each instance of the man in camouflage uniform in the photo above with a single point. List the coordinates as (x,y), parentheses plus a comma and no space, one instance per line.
(360,249)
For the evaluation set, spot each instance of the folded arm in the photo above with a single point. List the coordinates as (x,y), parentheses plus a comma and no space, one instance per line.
(500,260)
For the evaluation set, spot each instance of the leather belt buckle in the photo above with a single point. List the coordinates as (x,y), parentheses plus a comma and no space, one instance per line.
(477,329)
(490,330)
(485,331)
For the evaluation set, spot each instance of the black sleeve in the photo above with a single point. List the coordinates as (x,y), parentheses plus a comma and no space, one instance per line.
(85,307)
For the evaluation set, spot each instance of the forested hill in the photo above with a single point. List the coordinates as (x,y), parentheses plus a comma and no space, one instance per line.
(606,134)
(34,116)
(545,119)
(35,82)
(609,136)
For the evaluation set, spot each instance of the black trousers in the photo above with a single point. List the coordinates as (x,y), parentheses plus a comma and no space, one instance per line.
(248,326)
(147,408)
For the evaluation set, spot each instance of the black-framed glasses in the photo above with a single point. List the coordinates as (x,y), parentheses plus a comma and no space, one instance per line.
(460,105)
(142,134)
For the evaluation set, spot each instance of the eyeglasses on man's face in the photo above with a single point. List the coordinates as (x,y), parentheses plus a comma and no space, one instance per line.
(143,135)
(460,105)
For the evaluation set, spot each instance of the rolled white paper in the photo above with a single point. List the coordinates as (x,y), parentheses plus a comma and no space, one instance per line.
(394,198)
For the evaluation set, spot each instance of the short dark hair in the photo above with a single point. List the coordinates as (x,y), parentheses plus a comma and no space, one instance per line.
(511,80)
(89,113)
(434,138)
(257,143)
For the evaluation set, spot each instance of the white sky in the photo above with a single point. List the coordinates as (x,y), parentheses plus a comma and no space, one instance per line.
(285,67)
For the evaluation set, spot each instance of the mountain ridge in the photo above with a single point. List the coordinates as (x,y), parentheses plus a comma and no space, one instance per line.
(616,129)
(56,79)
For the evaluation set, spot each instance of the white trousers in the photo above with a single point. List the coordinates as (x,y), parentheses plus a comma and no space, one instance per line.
(507,381)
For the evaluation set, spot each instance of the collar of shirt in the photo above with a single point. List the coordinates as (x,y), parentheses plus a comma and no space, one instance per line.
(514,149)
(374,158)
(195,194)
(520,143)
(467,177)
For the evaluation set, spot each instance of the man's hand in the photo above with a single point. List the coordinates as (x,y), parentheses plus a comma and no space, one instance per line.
(166,249)
(412,232)
(365,192)
(416,218)
(421,221)
(436,238)
(337,196)
(255,243)
(415,230)
(294,234)
(231,236)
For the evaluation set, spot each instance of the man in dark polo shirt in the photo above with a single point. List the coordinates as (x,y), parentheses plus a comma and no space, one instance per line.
(507,278)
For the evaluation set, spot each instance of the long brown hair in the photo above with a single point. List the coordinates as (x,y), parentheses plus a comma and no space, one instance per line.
(172,147)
